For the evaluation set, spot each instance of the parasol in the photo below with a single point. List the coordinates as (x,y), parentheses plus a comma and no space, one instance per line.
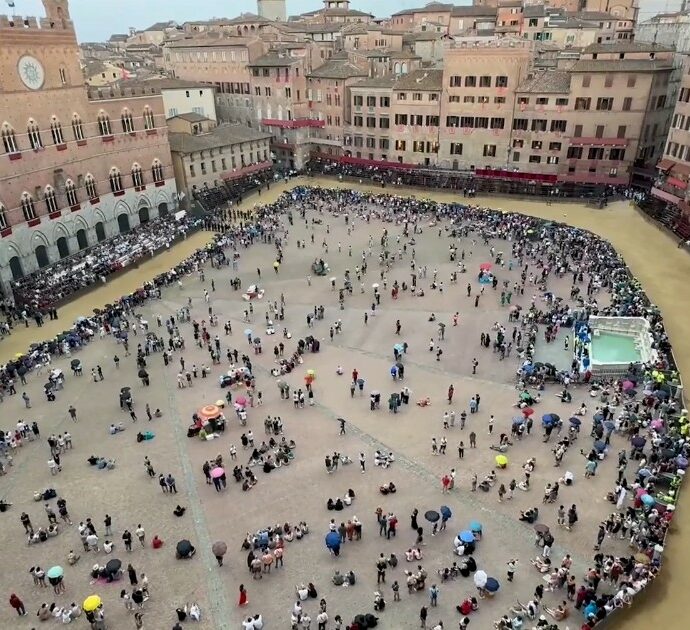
(220,403)
(91,603)
(332,540)
(217,472)
(648,500)
(184,547)
(209,412)
(125,390)
(492,585)
(55,572)
(113,566)
(480,578)
(432,516)
(598,417)
(445,512)
(333,278)
(219,548)
(466,536)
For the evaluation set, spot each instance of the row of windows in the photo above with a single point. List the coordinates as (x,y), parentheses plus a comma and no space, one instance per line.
(482,81)
(680,151)
(221,55)
(279,72)
(595,153)
(542,100)
(88,184)
(232,88)
(540,124)
(681,121)
(475,122)
(34,134)
(383,101)
(203,168)
(498,100)
(334,99)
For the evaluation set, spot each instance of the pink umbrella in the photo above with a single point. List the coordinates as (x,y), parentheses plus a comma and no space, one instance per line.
(241,401)
(657,424)
(217,472)
(485,266)
(628,385)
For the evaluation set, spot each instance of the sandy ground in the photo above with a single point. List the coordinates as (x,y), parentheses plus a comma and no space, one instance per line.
(300,491)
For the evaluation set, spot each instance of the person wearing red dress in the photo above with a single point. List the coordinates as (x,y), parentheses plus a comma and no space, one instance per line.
(243,596)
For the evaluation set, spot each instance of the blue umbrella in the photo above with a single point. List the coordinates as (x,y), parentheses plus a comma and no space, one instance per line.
(491,585)
(445,512)
(467,536)
(517,420)
(547,419)
(332,540)
(399,347)
(609,426)
(648,500)
(598,417)
(476,527)
(247,332)
(599,446)
(576,422)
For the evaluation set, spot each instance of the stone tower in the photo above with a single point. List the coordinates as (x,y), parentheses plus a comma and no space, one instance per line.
(57,11)
(274,10)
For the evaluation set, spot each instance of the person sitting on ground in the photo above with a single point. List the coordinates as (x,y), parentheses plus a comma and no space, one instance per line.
(529,516)
(543,565)
(72,558)
(302,592)
(338,505)
(560,612)
(179,510)
(312,591)
(156,542)
(337,578)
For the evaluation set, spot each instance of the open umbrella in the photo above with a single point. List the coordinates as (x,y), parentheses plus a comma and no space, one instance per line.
(75,363)
(432,516)
(628,385)
(485,266)
(113,565)
(575,421)
(445,512)
(638,441)
(55,572)
(492,585)
(518,420)
(209,412)
(91,603)
(476,527)
(241,401)
(184,547)
(657,424)
(332,540)
(527,411)
(642,558)
(217,472)
(247,332)
(480,578)
(648,500)
(501,460)
(598,417)
(48,386)
(541,528)
(399,347)
(466,536)
(143,373)
(375,285)
(125,390)
(547,419)
(219,548)
(599,446)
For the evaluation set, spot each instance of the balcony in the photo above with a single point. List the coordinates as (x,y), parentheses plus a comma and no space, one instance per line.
(247,170)
(659,193)
(297,123)
(598,142)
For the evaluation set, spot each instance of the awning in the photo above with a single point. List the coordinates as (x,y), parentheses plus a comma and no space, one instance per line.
(540,178)
(247,170)
(665,164)
(678,183)
(662,194)
(373,163)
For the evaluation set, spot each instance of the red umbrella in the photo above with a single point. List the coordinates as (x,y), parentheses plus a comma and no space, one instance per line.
(527,411)
(485,266)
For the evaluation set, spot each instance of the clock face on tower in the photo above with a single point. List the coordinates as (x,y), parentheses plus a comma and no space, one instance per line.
(31,72)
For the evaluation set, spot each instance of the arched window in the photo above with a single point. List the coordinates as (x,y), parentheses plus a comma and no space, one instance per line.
(63,75)
(77,127)
(115,180)
(157,171)
(104,128)
(71,193)
(137,175)
(34,134)
(28,207)
(50,198)
(3,217)
(9,140)
(127,121)
(90,184)
(56,131)
(149,119)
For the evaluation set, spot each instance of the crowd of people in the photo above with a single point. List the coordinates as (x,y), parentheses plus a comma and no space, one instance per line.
(645,414)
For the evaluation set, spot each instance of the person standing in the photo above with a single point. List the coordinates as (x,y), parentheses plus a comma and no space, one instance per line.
(72,413)
(133,580)
(127,539)
(433,595)
(17,604)
(362,462)
(423,612)
(140,534)
(108,522)
(244,600)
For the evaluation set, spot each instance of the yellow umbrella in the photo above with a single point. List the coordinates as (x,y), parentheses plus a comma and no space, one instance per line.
(311,373)
(220,403)
(501,460)
(91,603)
(19,355)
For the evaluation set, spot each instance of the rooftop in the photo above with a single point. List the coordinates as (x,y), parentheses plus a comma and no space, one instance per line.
(161,26)
(546,82)
(337,69)
(621,65)
(421,80)
(221,136)
(192,117)
(246,18)
(168,84)
(375,82)
(432,6)
(624,45)
(473,11)
(274,59)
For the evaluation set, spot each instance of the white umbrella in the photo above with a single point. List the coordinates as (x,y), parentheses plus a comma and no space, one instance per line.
(480,578)
(333,279)
(375,285)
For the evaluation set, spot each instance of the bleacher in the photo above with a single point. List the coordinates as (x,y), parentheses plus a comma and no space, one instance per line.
(231,191)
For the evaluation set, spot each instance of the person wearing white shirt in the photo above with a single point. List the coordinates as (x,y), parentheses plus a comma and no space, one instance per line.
(258,622)
(248,624)
(322,620)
